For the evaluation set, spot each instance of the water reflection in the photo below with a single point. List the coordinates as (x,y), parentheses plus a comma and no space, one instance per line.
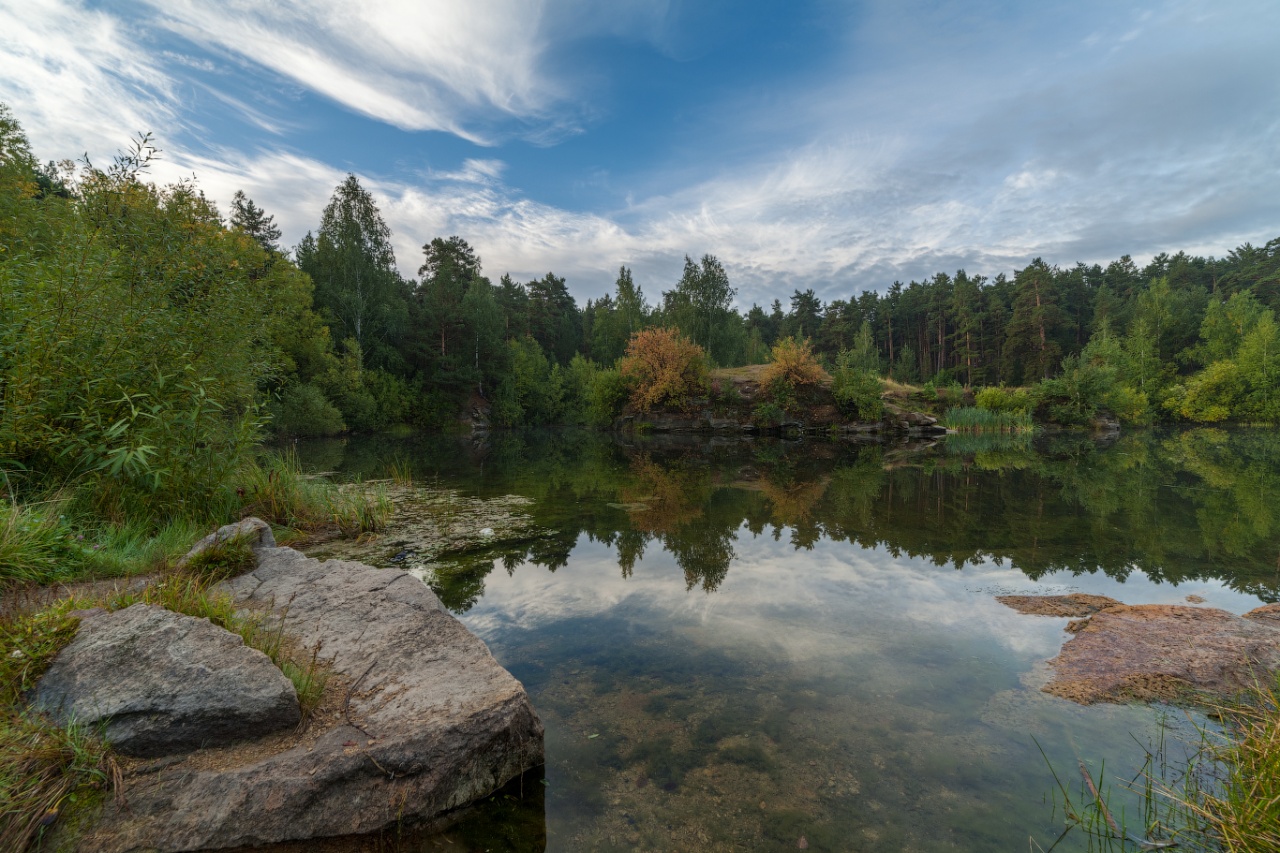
(1193,505)
(754,645)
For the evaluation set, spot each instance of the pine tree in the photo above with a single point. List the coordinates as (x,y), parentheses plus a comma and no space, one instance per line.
(253,220)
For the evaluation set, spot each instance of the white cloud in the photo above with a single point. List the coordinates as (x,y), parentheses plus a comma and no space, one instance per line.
(964,146)
(75,78)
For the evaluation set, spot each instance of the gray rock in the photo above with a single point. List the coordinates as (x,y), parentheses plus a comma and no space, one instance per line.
(430,722)
(253,530)
(160,682)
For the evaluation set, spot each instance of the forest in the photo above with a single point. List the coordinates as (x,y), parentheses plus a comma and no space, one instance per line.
(146,336)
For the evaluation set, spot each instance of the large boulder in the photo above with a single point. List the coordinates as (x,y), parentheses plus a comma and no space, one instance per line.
(159,683)
(425,721)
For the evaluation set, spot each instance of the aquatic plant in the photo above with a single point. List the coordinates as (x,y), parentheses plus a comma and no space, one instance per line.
(973,419)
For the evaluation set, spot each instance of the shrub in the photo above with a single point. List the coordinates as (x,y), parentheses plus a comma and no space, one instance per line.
(304,411)
(793,367)
(608,394)
(1007,400)
(664,369)
(857,390)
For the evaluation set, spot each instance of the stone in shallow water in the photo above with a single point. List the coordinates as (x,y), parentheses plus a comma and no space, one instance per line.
(1076,604)
(163,683)
(1165,651)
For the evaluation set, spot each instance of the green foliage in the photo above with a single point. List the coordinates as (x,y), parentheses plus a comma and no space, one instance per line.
(768,414)
(971,419)
(700,308)
(135,335)
(609,393)
(354,269)
(304,411)
(857,389)
(1004,400)
(1210,396)
(533,392)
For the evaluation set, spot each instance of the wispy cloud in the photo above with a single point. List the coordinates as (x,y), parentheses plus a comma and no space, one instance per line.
(940,139)
(76,76)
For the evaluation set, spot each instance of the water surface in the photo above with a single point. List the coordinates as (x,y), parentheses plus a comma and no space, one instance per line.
(769,645)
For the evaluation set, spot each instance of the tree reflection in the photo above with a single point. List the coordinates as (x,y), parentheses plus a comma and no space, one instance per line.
(1195,504)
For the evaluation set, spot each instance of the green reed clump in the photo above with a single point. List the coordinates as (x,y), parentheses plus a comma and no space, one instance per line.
(359,508)
(1223,798)
(973,419)
(1243,813)
(278,491)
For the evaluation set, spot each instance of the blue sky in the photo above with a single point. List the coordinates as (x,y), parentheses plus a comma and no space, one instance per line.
(832,145)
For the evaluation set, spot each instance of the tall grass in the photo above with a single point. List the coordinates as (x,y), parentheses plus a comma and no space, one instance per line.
(972,419)
(1224,797)
(278,491)
(48,541)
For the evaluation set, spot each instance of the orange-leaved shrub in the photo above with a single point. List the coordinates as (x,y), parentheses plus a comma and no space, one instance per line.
(664,369)
(793,366)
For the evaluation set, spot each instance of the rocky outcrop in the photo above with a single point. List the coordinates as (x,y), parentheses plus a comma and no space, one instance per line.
(1168,652)
(160,683)
(424,721)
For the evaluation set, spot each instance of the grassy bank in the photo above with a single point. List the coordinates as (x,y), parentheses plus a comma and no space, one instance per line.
(55,538)
(51,536)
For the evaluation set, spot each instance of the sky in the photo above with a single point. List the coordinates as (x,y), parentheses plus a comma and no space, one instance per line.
(837,146)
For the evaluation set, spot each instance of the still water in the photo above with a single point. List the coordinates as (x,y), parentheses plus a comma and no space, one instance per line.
(780,645)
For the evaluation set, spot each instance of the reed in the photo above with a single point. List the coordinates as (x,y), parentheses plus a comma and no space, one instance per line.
(973,419)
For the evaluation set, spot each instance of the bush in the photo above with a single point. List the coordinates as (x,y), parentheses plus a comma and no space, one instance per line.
(608,394)
(304,411)
(1212,395)
(857,390)
(148,388)
(664,369)
(1006,400)
(793,367)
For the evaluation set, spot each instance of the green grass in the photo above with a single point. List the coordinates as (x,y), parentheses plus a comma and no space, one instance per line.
(45,769)
(277,491)
(973,419)
(1225,798)
(58,538)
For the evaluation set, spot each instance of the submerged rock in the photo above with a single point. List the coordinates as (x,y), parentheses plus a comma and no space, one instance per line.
(1170,652)
(427,721)
(1075,604)
(160,683)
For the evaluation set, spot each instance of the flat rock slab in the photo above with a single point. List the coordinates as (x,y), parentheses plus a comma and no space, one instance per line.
(429,723)
(1076,604)
(1165,652)
(161,683)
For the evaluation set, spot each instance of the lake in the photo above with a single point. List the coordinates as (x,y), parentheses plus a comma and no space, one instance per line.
(764,644)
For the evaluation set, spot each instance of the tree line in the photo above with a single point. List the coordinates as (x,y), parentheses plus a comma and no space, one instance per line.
(1183,338)
(330,336)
